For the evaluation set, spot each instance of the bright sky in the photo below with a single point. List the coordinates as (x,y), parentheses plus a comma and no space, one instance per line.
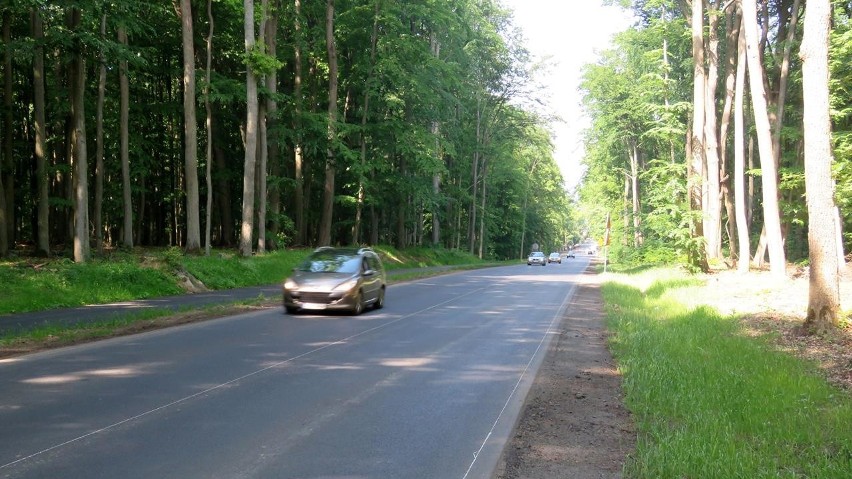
(571,33)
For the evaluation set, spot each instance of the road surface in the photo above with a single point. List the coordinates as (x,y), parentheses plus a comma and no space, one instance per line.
(428,387)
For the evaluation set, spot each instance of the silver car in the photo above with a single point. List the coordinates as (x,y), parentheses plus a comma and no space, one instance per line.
(537,257)
(336,279)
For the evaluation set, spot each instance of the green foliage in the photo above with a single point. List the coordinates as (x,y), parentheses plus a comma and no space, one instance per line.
(711,401)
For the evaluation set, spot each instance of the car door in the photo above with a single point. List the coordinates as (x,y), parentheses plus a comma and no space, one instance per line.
(371,278)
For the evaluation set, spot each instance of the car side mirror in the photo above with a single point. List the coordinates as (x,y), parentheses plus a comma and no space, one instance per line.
(369,272)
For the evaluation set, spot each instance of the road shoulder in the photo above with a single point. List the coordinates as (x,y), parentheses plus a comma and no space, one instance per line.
(574,422)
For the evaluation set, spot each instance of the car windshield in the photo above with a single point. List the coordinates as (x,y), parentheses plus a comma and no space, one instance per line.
(331,262)
(537,254)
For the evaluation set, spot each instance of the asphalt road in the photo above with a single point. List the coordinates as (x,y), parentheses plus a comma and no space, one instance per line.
(428,387)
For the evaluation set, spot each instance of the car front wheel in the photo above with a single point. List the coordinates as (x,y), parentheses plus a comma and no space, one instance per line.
(380,300)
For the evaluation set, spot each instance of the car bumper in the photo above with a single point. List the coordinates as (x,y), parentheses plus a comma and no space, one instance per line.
(319,300)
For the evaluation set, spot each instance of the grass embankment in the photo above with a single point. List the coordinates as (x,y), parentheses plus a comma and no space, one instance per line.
(710,401)
(37,284)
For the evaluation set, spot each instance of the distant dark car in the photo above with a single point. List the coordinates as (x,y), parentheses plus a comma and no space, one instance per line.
(537,257)
(336,278)
(554,258)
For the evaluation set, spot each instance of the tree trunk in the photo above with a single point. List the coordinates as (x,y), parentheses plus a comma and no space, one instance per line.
(124,140)
(474,180)
(40,127)
(713,208)
(301,224)
(782,83)
(772,215)
(208,125)
(634,190)
(698,255)
(99,142)
(359,206)
(7,167)
(740,193)
(328,188)
(193,221)
(435,47)
(272,144)
(81,174)
(251,137)
(824,287)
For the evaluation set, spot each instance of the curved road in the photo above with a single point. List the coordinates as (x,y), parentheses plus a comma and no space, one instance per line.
(428,387)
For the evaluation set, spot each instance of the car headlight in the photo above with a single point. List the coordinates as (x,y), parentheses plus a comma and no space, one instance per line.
(346,285)
(290,284)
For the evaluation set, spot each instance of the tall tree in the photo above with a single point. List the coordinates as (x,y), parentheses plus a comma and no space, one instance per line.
(769,172)
(744,259)
(824,287)
(250,134)
(7,164)
(193,220)
(124,140)
(80,156)
(40,131)
(99,143)
(208,128)
(697,161)
(330,158)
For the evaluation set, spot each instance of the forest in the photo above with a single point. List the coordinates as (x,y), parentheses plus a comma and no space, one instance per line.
(270,124)
(722,133)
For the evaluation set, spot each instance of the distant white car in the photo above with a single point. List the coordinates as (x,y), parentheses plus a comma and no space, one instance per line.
(537,257)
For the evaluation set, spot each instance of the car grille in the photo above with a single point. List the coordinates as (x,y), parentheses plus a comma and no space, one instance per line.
(317,298)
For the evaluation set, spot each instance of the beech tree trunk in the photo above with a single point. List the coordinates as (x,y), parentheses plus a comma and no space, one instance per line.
(40,130)
(824,287)
(273,166)
(328,185)
(80,156)
(99,145)
(698,253)
(713,208)
(769,177)
(7,165)
(251,137)
(193,221)
(301,224)
(740,192)
(208,126)
(124,140)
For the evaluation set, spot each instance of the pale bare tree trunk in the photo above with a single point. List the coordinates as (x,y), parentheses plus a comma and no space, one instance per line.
(193,220)
(81,172)
(634,193)
(301,226)
(262,157)
(124,140)
(713,208)
(40,127)
(328,188)
(740,192)
(824,288)
(250,137)
(99,148)
(208,125)
(771,210)
(732,28)
(698,256)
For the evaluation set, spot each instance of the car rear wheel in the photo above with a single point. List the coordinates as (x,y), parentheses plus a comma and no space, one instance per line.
(291,309)
(380,300)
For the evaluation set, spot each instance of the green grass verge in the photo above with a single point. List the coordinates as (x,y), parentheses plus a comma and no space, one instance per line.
(36,285)
(711,402)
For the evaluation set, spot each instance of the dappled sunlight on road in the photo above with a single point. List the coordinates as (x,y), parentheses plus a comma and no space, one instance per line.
(116,373)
